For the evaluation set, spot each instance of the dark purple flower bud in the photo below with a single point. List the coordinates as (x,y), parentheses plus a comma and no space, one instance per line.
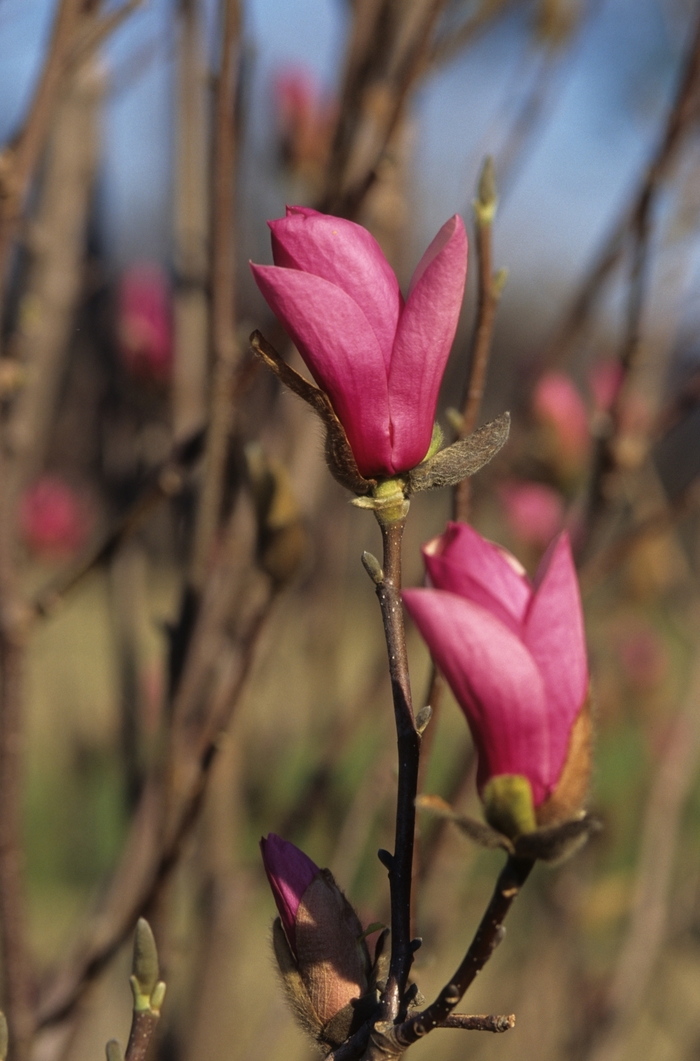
(289,872)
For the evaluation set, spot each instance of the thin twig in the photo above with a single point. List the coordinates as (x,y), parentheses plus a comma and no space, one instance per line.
(408,740)
(477,1022)
(489,294)
(681,114)
(222,294)
(488,936)
(675,775)
(114,925)
(18,161)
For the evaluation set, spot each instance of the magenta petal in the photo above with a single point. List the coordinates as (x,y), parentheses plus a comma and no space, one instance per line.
(495,680)
(289,872)
(333,336)
(348,256)
(463,562)
(554,634)
(426,329)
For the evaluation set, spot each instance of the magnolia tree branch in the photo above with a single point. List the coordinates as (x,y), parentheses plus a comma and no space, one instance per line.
(400,864)
(222,293)
(488,935)
(683,110)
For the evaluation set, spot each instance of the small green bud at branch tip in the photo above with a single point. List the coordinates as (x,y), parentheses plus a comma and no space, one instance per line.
(145,964)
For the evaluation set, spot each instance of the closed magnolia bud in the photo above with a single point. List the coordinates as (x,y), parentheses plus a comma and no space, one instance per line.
(318,943)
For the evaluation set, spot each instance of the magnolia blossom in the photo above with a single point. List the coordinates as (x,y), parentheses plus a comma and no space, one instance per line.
(512,651)
(144,322)
(55,521)
(290,872)
(379,359)
(535,511)
(321,954)
(558,405)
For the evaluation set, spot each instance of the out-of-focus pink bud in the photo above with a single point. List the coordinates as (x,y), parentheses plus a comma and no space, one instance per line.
(514,654)
(535,511)
(559,408)
(321,954)
(144,322)
(304,119)
(379,360)
(290,873)
(643,656)
(55,521)
(604,380)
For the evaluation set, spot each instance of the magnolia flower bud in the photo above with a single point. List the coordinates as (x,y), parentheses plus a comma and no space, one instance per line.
(378,358)
(318,943)
(514,654)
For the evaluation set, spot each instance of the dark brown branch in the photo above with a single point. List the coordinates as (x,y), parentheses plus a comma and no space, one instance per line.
(683,111)
(19,160)
(385,61)
(487,938)
(117,920)
(408,740)
(223,330)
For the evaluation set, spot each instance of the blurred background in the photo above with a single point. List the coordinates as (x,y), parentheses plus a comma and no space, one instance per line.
(202,658)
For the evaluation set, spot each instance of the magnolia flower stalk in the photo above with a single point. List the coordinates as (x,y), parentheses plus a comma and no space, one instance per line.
(379,358)
(514,654)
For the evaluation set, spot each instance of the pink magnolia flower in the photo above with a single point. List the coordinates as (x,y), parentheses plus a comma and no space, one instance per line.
(512,651)
(290,872)
(558,405)
(144,322)
(379,359)
(605,380)
(535,511)
(55,521)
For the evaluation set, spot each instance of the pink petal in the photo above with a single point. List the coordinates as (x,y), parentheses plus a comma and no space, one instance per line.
(426,329)
(463,562)
(554,634)
(495,680)
(348,256)
(289,872)
(333,336)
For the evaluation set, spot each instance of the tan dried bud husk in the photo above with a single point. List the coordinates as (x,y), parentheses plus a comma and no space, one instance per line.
(327,979)
(562,825)
(339,456)
(569,797)
(282,539)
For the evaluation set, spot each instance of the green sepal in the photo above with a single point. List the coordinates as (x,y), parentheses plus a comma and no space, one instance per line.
(509,806)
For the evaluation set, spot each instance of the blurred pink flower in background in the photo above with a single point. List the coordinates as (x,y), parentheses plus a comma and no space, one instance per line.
(643,655)
(604,381)
(54,519)
(304,118)
(513,652)
(144,324)
(558,407)
(379,359)
(534,511)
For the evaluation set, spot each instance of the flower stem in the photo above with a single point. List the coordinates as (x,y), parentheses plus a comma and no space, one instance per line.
(488,936)
(408,741)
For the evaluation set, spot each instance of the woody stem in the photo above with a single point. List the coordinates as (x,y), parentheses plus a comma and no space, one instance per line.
(408,741)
